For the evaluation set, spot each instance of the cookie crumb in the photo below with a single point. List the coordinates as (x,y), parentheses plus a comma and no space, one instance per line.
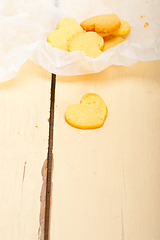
(146,24)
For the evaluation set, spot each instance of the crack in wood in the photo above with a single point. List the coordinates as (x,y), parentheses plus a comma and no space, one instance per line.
(49,162)
(122,221)
(43,202)
(24,170)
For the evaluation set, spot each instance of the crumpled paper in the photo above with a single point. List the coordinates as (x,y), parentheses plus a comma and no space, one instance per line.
(25,25)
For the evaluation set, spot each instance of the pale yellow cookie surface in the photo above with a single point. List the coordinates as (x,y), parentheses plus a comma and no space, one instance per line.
(124,29)
(89,42)
(89,114)
(64,33)
(106,23)
(112,42)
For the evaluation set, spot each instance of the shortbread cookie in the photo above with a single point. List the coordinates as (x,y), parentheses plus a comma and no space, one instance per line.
(112,42)
(105,24)
(89,42)
(64,33)
(124,29)
(89,114)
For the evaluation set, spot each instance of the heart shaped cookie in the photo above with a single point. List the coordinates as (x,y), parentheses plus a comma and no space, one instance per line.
(89,114)
(124,29)
(105,23)
(90,43)
(64,33)
(112,42)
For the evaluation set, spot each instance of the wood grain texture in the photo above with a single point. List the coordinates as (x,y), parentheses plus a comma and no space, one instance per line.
(24,127)
(106,182)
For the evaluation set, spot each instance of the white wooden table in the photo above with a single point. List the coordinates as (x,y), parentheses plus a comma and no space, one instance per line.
(24,128)
(105,182)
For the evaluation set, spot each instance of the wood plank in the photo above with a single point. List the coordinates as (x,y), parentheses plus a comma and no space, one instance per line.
(106,182)
(24,118)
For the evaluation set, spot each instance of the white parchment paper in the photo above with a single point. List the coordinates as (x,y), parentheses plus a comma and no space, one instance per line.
(25,25)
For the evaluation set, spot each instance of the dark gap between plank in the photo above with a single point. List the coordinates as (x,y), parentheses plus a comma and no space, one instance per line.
(50,161)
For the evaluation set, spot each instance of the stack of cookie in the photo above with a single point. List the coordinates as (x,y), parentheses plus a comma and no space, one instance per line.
(92,36)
